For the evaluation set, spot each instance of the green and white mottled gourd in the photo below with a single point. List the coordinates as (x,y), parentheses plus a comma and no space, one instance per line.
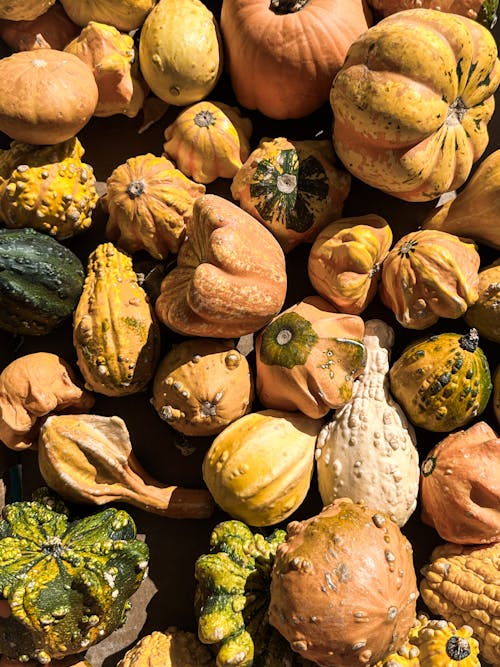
(40,282)
(67,582)
(443,381)
(368,451)
(232,598)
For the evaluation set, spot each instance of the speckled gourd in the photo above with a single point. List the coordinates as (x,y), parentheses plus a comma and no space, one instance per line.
(368,450)
(343,586)
(115,332)
(47,188)
(484,314)
(443,381)
(67,582)
(171,648)
(459,583)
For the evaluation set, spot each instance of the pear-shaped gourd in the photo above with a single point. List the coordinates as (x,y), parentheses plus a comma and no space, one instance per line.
(368,451)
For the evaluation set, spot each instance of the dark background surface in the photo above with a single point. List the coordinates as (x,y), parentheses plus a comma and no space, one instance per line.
(167,598)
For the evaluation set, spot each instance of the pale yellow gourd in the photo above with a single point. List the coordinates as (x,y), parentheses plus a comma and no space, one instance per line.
(367,452)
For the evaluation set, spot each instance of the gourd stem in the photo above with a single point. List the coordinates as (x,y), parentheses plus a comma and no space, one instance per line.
(458,648)
(287,6)
(469,341)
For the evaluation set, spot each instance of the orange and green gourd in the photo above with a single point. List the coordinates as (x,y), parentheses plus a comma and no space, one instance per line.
(67,582)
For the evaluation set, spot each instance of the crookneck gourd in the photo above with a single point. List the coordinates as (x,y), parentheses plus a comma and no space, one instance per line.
(334,604)
(67,582)
(171,648)
(149,201)
(484,314)
(346,258)
(232,598)
(89,459)
(230,279)
(259,468)
(47,188)
(430,274)
(459,584)
(31,387)
(459,490)
(442,381)
(293,187)
(368,450)
(483,11)
(202,385)
(208,140)
(308,357)
(413,100)
(40,282)
(115,332)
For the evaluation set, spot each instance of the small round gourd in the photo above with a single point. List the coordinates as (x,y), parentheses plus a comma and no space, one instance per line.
(442,381)
(441,644)
(484,314)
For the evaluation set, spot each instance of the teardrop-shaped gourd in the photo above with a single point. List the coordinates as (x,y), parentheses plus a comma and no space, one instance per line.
(89,459)
(48,188)
(346,258)
(115,332)
(442,381)
(149,201)
(202,385)
(430,274)
(208,140)
(31,387)
(484,314)
(460,487)
(259,468)
(473,213)
(368,450)
(308,357)
(294,188)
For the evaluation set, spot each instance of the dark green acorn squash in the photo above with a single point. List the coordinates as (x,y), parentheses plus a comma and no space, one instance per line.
(40,282)
(443,381)
(67,583)
(232,599)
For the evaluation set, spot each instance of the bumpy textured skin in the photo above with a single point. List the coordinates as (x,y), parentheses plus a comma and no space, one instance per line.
(111,56)
(232,598)
(473,212)
(459,584)
(479,10)
(67,583)
(51,30)
(180,51)
(407,654)
(171,648)
(442,381)
(31,387)
(430,274)
(47,188)
(347,563)
(441,644)
(460,486)
(208,140)
(484,314)
(230,278)
(368,450)
(413,100)
(126,15)
(24,10)
(202,385)
(40,282)
(308,357)
(259,468)
(293,187)
(115,332)
(345,260)
(149,201)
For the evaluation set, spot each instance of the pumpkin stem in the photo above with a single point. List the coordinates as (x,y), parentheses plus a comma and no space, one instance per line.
(287,6)
(458,648)
(469,341)
(135,189)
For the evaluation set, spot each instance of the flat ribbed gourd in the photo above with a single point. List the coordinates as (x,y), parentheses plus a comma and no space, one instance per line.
(40,282)
(67,582)
(443,381)
(115,332)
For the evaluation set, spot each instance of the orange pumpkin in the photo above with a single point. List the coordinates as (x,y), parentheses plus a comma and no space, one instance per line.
(282,55)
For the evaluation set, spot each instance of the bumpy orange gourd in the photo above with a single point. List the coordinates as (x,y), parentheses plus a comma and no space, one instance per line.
(428,275)
(346,259)
(171,648)
(208,140)
(413,100)
(481,10)
(149,202)
(51,30)
(283,55)
(308,358)
(230,278)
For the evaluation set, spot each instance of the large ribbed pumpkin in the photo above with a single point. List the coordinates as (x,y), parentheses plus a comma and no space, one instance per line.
(412,102)
(282,55)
